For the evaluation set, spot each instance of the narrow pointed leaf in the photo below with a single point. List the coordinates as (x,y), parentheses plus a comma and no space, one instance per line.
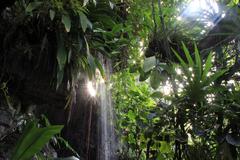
(180,59)
(62,57)
(188,55)
(208,66)
(198,61)
(214,77)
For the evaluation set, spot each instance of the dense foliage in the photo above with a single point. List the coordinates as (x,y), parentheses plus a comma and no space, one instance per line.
(192,112)
(46,47)
(175,79)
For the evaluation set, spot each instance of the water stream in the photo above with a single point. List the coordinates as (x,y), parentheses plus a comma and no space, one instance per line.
(107,146)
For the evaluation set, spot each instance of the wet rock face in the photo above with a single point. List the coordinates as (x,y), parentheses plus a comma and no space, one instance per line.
(7,135)
(5,121)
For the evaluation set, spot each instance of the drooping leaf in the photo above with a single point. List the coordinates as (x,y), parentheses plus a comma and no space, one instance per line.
(33,140)
(67,22)
(155,79)
(149,63)
(52,14)
(91,63)
(87,46)
(61,53)
(100,67)
(32,6)
(84,21)
(62,57)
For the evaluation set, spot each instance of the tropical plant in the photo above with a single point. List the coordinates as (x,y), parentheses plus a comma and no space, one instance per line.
(140,128)
(183,123)
(33,139)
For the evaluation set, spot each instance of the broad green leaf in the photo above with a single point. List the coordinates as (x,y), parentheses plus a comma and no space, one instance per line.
(188,55)
(155,79)
(149,63)
(33,140)
(33,5)
(52,14)
(208,66)
(84,21)
(67,22)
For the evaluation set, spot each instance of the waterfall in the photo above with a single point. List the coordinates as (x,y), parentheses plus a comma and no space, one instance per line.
(107,140)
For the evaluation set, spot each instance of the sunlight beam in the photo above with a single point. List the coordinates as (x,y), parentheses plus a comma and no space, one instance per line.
(91,89)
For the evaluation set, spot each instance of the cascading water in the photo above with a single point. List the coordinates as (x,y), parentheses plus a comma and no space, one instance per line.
(107,140)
